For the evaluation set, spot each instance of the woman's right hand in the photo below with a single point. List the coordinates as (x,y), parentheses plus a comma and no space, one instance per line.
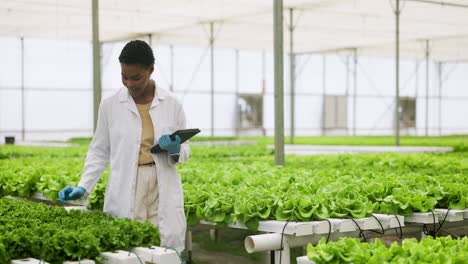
(71,193)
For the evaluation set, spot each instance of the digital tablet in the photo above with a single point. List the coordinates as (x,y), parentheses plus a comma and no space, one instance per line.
(184,135)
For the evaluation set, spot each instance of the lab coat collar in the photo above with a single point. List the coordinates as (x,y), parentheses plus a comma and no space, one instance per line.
(159,95)
(125,97)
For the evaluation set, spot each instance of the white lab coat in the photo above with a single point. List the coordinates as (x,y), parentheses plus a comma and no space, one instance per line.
(117,140)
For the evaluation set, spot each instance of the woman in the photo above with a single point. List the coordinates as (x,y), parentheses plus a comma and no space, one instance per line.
(142,186)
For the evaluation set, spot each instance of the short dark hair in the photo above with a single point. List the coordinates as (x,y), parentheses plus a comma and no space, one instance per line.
(137,52)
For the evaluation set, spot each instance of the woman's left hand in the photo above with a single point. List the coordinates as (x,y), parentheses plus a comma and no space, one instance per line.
(172,146)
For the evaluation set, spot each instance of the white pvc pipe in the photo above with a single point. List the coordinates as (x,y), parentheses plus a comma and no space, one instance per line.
(265,242)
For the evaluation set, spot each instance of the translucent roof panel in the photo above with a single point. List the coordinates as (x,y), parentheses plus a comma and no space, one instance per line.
(320,25)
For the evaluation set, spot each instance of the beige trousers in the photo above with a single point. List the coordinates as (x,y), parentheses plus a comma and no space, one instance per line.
(147,195)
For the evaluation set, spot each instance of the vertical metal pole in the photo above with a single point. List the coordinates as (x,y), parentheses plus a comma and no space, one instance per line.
(212,76)
(214,234)
(416,84)
(150,40)
(263,87)
(188,245)
(427,89)
(292,71)
(324,84)
(96,61)
(347,92)
(397,81)
(416,79)
(439,70)
(279,89)
(263,72)
(23,114)
(172,67)
(355,90)
(238,121)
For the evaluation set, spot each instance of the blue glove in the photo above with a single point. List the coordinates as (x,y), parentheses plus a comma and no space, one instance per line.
(172,146)
(71,193)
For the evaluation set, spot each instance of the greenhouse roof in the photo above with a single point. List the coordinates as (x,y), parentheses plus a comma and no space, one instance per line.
(320,25)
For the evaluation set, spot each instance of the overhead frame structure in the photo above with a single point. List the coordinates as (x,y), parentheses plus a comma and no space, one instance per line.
(321,25)
(324,26)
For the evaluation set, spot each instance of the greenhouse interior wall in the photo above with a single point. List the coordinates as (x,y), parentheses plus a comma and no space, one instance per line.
(57,81)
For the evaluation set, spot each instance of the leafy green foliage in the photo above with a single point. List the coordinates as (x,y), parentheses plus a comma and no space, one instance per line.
(240,183)
(17,152)
(458,142)
(51,233)
(428,250)
(45,172)
(311,188)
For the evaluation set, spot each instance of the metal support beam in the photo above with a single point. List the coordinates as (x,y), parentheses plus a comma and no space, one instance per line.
(416,79)
(279,85)
(397,73)
(347,90)
(292,71)
(445,3)
(212,76)
(23,114)
(188,245)
(355,90)
(439,71)
(96,61)
(150,40)
(172,67)
(214,235)
(416,93)
(263,87)
(263,73)
(427,89)
(97,91)
(238,121)
(324,85)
